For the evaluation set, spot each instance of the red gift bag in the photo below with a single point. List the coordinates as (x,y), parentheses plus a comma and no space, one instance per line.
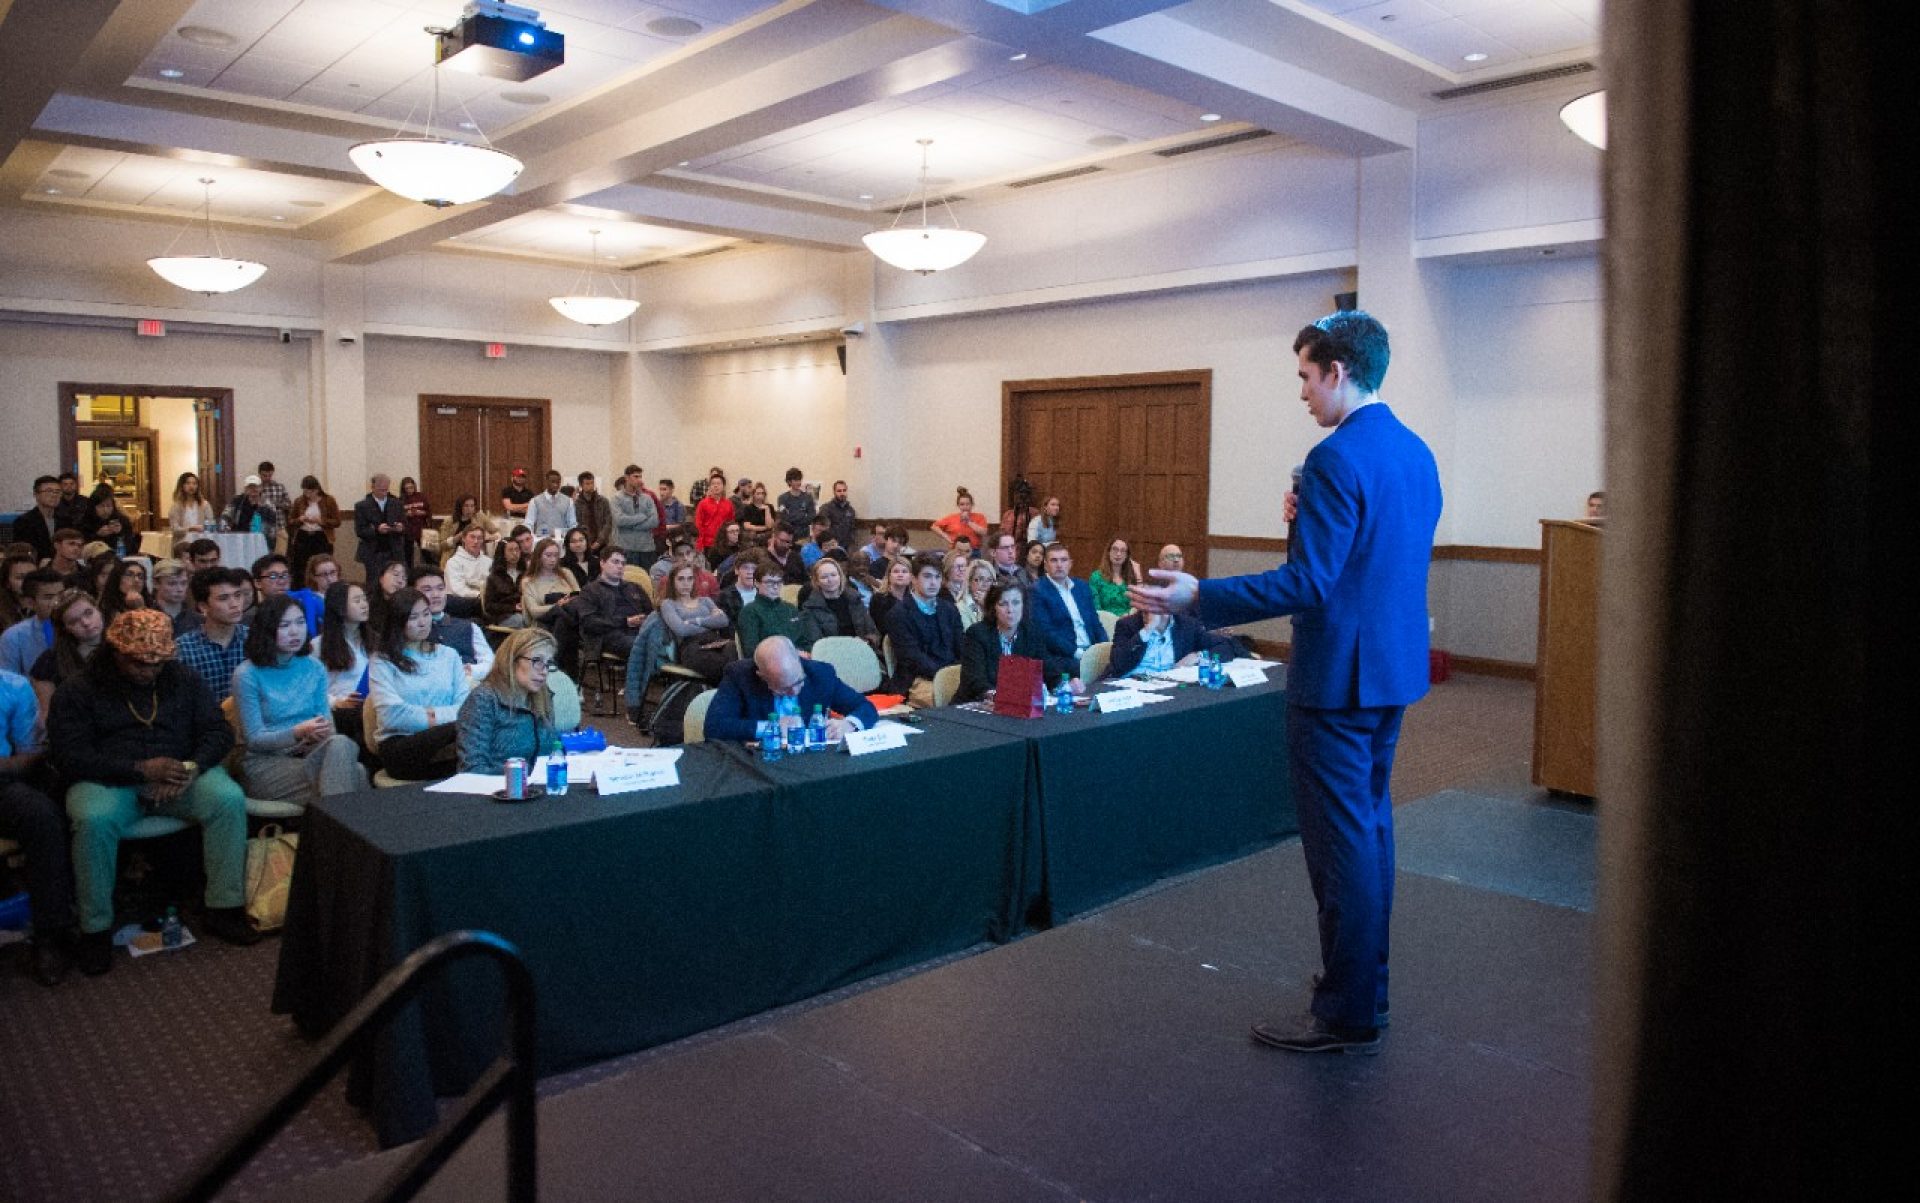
(1021,690)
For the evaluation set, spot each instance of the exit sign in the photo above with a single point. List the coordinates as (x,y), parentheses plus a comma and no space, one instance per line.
(151,328)
(496,350)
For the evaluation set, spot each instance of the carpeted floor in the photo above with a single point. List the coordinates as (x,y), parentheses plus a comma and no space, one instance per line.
(113,1086)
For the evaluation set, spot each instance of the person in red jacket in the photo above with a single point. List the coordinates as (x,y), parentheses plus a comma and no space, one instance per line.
(713,513)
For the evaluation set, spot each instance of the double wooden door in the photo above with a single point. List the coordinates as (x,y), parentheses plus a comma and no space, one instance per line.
(1126,455)
(473,444)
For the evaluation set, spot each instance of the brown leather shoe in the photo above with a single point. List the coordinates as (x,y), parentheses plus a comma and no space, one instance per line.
(1315,1036)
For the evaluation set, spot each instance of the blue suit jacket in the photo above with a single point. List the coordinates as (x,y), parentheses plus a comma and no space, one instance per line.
(744,700)
(1355,579)
(1050,615)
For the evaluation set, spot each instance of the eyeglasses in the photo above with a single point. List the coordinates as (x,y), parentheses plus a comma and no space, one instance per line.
(536,663)
(276,576)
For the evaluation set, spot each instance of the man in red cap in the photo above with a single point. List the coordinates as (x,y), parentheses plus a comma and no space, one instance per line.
(516,494)
(138,733)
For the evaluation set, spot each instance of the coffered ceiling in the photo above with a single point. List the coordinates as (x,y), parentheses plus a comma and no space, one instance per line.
(677,127)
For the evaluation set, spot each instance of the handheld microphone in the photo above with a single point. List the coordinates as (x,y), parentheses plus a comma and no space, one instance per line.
(1299,470)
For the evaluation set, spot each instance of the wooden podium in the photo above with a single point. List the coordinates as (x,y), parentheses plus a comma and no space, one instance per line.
(1565,680)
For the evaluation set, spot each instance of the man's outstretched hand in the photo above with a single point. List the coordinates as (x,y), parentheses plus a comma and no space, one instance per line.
(1179,592)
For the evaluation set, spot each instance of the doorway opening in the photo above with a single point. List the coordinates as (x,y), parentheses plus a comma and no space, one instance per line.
(139,439)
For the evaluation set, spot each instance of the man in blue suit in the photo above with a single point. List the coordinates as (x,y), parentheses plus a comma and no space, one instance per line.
(1063,607)
(1355,581)
(748,688)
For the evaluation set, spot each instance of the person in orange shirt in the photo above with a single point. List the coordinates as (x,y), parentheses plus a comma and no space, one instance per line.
(963,522)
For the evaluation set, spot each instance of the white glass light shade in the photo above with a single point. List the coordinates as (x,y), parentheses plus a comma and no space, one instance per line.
(924,249)
(210,274)
(1587,117)
(434,171)
(594,311)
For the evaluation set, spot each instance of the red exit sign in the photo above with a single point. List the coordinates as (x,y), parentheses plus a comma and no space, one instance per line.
(496,350)
(151,328)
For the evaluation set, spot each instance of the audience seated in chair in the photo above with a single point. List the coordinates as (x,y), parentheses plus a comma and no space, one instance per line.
(32,819)
(699,627)
(140,732)
(769,613)
(1006,631)
(1063,608)
(1157,643)
(925,629)
(416,687)
(291,750)
(219,644)
(831,607)
(467,640)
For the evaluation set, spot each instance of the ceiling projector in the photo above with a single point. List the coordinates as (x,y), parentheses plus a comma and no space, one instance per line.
(504,41)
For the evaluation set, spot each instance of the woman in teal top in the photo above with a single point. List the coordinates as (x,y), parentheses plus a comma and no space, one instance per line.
(290,750)
(1109,581)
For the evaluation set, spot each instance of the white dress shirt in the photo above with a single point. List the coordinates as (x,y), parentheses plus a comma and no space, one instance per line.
(550,514)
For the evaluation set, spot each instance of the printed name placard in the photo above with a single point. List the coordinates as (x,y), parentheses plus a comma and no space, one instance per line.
(625,778)
(1246,672)
(1114,700)
(879,739)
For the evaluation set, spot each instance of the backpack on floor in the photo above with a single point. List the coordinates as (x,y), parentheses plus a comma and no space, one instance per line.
(668,726)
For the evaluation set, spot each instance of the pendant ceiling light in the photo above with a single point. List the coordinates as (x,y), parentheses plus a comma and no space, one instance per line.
(1587,117)
(433,170)
(211,273)
(924,248)
(588,306)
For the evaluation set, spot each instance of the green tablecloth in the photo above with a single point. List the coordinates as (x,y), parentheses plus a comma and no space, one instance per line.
(1126,799)
(649,916)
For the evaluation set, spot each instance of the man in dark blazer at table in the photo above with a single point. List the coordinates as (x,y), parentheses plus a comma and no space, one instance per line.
(1355,581)
(749,687)
(380,523)
(1062,607)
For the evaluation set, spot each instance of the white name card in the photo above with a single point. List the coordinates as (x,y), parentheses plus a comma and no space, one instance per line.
(877,739)
(1246,672)
(636,775)
(1114,700)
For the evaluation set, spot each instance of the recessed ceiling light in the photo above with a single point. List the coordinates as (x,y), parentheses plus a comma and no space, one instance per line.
(866,196)
(525,97)
(1209,116)
(1478,56)
(307,204)
(685,162)
(51,191)
(172,73)
(1106,141)
(673,27)
(206,35)
(66,173)
(1015,58)
(279,216)
(469,125)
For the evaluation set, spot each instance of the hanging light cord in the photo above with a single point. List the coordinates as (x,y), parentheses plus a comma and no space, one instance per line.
(206,208)
(925,191)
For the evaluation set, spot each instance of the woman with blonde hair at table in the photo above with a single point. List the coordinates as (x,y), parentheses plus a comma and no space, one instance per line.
(510,712)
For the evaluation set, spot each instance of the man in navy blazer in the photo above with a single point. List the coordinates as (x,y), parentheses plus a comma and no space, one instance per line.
(748,688)
(1355,581)
(1050,612)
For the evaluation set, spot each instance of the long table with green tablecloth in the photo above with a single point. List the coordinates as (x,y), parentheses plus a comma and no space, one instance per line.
(1129,798)
(649,916)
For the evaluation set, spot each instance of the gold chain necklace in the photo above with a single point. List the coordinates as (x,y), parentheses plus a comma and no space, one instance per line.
(147,719)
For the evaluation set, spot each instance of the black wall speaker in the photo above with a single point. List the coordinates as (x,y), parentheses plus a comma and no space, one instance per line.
(1346,301)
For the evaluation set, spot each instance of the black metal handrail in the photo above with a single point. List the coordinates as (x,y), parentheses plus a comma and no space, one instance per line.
(509,1079)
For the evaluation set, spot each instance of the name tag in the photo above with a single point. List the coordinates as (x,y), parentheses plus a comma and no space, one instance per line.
(877,739)
(1244,673)
(1114,700)
(625,778)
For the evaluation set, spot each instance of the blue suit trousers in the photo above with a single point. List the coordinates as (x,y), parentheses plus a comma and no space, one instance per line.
(1342,761)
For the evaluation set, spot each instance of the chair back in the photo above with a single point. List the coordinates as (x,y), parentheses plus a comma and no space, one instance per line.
(637,575)
(790,593)
(852,659)
(1109,621)
(566,700)
(693,723)
(1094,661)
(886,653)
(946,683)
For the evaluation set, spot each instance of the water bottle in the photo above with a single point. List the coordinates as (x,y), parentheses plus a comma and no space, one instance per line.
(793,725)
(557,769)
(1063,696)
(1216,676)
(817,730)
(171,933)
(254,523)
(769,739)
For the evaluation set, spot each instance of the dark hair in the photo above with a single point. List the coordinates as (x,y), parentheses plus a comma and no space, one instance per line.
(264,635)
(98,569)
(1132,569)
(267,561)
(500,556)
(518,530)
(422,571)
(764,564)
(461,501)
(665,482)
(200,547)
(205,579)
(39,577)
(1355,338)
(67,532)
(44,480)
(393,628)
(930,559)
(584,477)
(314,563)
(266,465)
(899,533)
(631,469)
(1000,589)
(838,483)
(311,482)
(102,492)
(66,649)
(335,652)
(69,476)
(794,474)
(1026,549)
(112,592)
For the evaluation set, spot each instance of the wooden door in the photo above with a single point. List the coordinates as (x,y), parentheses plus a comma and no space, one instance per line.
(1126,455)
(212,468)
(471,444)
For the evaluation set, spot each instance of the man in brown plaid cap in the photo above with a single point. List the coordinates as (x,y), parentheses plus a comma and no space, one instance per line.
(139,734)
